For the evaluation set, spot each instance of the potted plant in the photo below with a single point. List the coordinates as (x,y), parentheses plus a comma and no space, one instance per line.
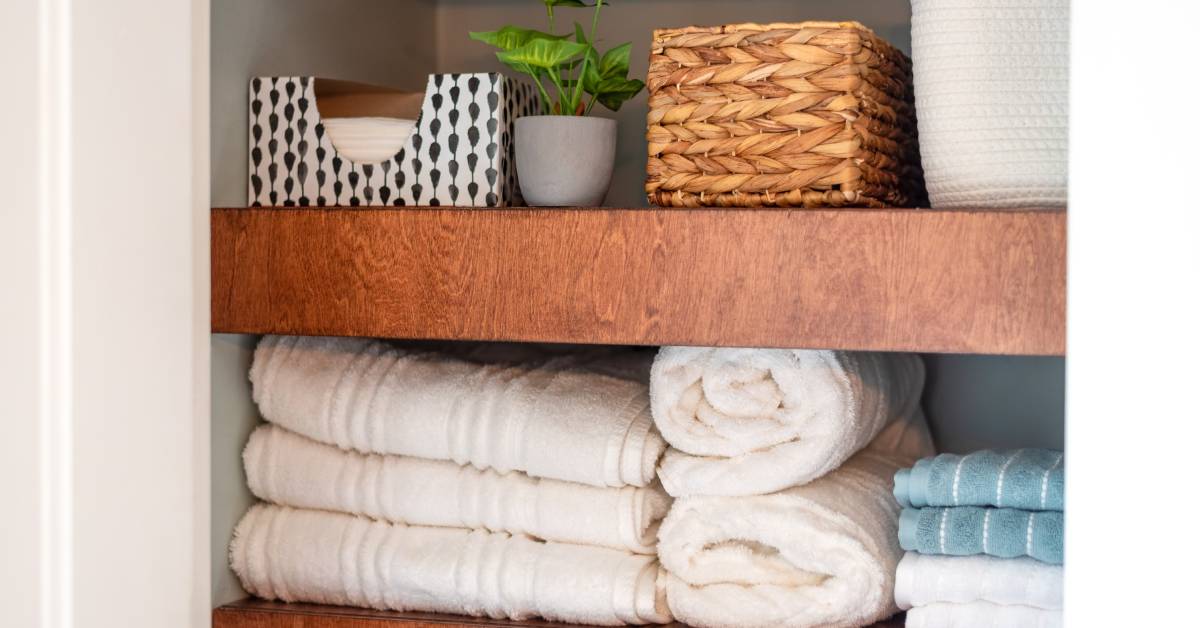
(565,156)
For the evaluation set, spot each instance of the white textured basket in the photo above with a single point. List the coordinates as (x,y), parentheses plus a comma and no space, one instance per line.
(991,93)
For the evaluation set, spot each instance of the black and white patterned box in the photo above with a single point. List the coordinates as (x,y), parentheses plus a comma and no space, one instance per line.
(460,153)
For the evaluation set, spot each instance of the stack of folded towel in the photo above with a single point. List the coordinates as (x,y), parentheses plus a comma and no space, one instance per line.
(781,462)
(984,534)
(420,480)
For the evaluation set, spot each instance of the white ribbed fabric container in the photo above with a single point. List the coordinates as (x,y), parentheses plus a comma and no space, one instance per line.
(991,93)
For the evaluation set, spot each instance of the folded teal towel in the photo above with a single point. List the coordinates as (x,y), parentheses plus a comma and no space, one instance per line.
(969,530)
(1030,479)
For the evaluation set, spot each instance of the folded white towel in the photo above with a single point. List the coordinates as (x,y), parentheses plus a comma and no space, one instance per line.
(368,140)
(928,579)
(820,554)
(560,423)
(753,421)
(982,615)
(333,558)
(291,470)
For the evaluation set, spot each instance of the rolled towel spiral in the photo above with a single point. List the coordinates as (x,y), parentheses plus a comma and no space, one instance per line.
(820,554)
(753,421)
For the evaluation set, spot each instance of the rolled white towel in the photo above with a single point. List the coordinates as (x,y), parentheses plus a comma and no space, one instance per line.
(982,615)
(820,554)
(928,579)
(550,422)
(753,421)
(333,558)
(288,469)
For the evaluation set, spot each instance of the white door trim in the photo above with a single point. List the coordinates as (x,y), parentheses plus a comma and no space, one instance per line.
(56,396)
(104,432)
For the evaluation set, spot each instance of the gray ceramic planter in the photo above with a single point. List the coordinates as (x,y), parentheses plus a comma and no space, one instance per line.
(565,160)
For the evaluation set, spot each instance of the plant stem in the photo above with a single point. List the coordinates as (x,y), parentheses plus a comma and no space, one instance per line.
(577,95)
(557,80)
(595,19)
(545,96)
(578,91)
(550,15)
(591,104)
(578,79)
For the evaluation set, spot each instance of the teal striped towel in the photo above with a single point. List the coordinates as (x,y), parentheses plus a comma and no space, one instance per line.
(1030,479)
(970,530)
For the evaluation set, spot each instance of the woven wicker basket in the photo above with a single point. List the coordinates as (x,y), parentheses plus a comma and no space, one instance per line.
(815,114)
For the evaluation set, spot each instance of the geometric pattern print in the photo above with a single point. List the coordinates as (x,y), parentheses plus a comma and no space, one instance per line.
(459,154)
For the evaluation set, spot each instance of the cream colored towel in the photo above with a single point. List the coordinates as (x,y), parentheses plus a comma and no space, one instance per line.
(548,421)
(821,554)
(291,470)
(294,555)
(753,421)
(981,615)
(923,579)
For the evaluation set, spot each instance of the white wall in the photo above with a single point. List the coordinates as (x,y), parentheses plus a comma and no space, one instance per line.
(22,590)
(1133,307)
(104,374)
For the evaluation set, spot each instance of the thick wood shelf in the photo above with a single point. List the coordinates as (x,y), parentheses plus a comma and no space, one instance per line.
(902,280)
(253,613)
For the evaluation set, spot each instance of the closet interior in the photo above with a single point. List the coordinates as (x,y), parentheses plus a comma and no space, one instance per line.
(980,294)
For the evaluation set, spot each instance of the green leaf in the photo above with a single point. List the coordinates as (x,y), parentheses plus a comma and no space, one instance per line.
(534,73)
(511,37)
(615,62)
(613,92)
(564,3)
(593,57)
(613,65)
(543,54)
(591,75)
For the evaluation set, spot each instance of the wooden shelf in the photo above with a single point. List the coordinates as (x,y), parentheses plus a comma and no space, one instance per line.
(253,613)
(901,279)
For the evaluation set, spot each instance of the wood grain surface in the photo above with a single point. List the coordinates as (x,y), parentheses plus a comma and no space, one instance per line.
(253,613)
(898,279)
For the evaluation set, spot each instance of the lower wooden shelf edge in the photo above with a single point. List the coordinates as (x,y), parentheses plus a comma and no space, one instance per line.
(254,613)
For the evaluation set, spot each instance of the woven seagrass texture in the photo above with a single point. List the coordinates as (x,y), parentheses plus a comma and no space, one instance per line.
(813,114)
